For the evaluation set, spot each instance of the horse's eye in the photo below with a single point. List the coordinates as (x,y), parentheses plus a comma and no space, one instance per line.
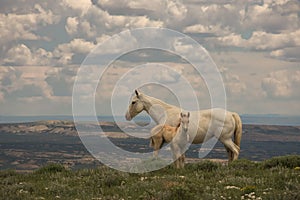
(133,102)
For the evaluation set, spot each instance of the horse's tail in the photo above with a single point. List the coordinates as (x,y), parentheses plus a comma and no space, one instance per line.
(238,129)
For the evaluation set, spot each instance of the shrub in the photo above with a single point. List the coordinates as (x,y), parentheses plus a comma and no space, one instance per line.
(178,192)
(291,162)
(112,180)
(207,166)
(243,164)
(51,168)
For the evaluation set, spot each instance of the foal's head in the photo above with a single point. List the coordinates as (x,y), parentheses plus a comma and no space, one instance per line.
(185,119)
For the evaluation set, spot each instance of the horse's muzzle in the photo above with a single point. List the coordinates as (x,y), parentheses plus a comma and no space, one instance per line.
(127,116)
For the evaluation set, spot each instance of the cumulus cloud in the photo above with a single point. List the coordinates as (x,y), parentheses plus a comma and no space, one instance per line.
(262,40)
(80,6)
(61,80)
(96,22)
(22,26)
(8,79)
(21,55)
(289,54)
(170,11)
(22,84)
(213,30)
(282,84)
(234,86)
(168,75)
(272,17)
(65,52)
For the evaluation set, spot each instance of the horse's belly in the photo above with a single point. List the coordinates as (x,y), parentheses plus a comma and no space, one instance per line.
(199,136)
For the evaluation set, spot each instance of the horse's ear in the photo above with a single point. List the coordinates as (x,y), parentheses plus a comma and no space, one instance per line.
(181,115)
(188,115)
(137,93)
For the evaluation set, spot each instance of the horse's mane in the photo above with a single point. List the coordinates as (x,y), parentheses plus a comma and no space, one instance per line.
(159,101)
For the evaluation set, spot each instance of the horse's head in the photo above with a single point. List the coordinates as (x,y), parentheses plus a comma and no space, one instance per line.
(185,119)
(136,106)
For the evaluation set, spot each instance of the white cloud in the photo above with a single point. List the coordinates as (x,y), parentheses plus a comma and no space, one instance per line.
(216,30)
(65,52)
(96,22)
(8,80)
(23,83)
(282,84)
(61,80)
(22,26)
(271,18)
(234,86)
(176,12)
(71,25)
(80,6)
(168,75)
(289,54)
(116,44)
(21,55)
(262,40)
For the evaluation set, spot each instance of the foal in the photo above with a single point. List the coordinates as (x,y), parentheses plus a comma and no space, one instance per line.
(176,135)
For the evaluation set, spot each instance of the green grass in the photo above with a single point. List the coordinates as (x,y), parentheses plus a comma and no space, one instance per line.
(277,178)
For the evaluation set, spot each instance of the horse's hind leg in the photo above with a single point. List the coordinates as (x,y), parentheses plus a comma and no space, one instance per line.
(229,153)
(232,147)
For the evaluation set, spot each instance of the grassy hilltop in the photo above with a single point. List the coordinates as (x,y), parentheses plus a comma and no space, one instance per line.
(276,178)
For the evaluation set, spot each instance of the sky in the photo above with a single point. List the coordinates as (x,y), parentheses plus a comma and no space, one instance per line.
(255,45)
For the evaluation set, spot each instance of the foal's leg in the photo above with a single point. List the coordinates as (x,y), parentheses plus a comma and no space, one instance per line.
(176,155)
(157,143)
(182,158)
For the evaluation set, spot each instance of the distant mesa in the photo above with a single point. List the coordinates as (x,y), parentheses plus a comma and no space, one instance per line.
(50,126)
(59,127)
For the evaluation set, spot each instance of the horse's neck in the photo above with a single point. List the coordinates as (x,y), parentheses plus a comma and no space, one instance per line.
(150,101)
(156,108)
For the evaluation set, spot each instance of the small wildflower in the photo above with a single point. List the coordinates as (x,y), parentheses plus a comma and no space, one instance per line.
(232,187)
(40,198)
(122,183)
(23,191)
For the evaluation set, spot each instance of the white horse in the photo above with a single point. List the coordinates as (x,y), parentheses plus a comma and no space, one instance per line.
(204,124)
(176,135)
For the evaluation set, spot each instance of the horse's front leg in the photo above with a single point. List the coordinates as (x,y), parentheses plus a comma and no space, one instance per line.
(182,160)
